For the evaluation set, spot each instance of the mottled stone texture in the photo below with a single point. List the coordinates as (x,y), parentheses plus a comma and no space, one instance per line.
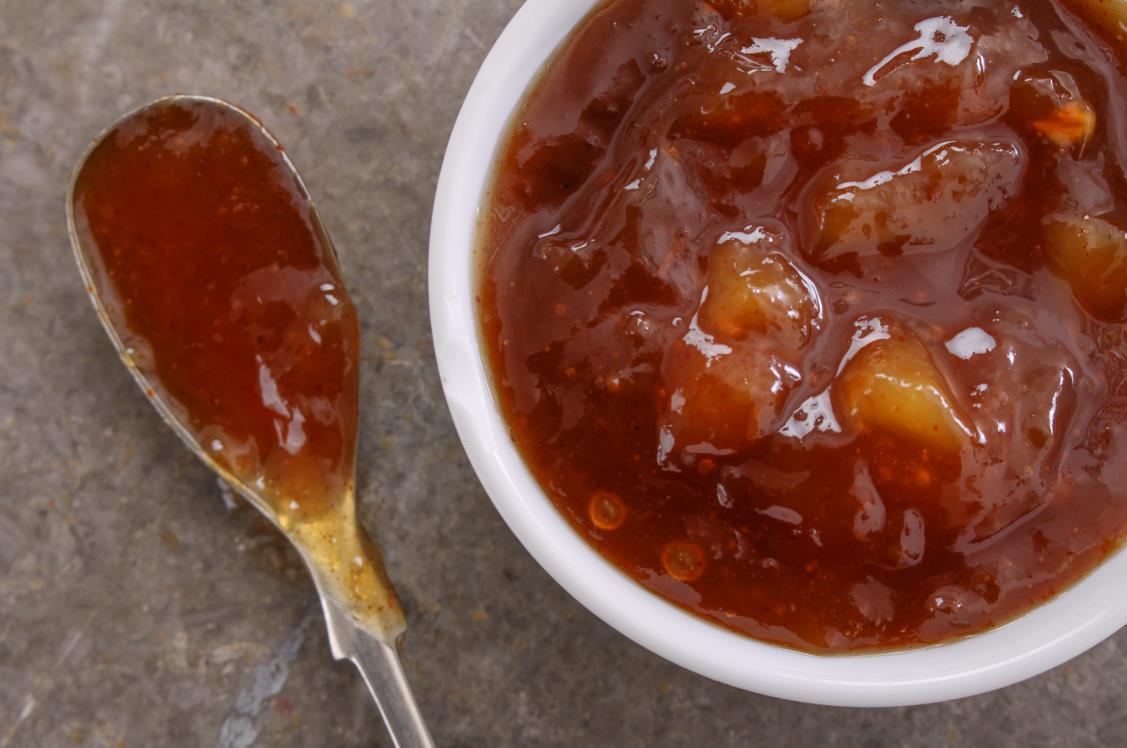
(137,610)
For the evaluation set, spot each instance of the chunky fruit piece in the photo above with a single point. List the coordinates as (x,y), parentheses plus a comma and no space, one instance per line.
(1025,398)
(1051,105)
(713,413)
(1027,390)
(721,399)
(1005,490)
(1072,124)
(728,376)
(932,204)
(735,119)
(892,385)
(754,290)
(1091,254)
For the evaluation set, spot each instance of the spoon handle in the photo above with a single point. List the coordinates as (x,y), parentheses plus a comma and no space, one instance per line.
(378,662)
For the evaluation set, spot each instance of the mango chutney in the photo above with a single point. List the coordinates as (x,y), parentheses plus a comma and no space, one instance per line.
(809,314)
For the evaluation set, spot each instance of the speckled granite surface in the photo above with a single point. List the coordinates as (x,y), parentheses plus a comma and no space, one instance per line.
(136,609)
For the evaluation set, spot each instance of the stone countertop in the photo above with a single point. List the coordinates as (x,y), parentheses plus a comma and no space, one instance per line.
(138,609)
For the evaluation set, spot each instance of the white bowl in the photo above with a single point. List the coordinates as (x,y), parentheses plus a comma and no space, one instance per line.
(1041,639)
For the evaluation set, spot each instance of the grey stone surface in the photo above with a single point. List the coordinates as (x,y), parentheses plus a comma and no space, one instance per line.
(136,610)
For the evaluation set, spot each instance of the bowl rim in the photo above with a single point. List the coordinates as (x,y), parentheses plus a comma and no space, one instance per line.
(1047,636)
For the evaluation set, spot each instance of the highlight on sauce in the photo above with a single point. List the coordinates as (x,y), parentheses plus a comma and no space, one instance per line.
(809,314)
(225,291)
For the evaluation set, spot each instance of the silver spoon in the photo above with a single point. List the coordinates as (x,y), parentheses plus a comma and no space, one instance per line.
(369,639)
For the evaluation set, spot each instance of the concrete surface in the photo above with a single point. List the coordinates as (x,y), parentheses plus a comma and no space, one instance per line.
(137,610)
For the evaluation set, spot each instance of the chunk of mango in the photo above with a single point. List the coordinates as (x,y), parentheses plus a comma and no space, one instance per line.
(1072,124)
(933,203)
(733,120)
(892,385)
(755,291)
(717,414)
(1052,106)
(1026,397)
(720,405)
(1091,254)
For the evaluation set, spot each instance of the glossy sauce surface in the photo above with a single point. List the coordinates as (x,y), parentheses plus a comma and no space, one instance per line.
(226,294)
(808,316)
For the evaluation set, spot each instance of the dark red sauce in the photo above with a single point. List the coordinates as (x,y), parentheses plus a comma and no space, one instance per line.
(809,317)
